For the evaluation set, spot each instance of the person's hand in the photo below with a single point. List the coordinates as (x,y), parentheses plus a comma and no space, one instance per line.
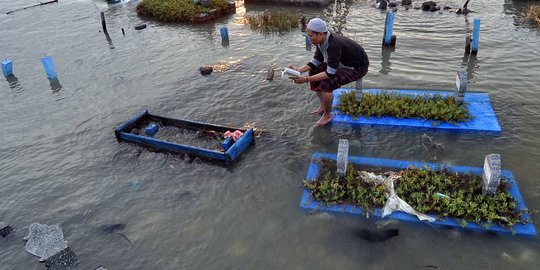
(299,79)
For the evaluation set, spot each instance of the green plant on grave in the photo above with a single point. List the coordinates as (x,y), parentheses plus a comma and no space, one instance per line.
(442,193)
(428,107)
(350,190)
(273,21)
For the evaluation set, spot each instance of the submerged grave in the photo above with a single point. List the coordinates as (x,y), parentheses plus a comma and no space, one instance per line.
(451,195)
(208,141)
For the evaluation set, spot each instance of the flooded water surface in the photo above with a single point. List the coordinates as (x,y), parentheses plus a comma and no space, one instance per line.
(61,163)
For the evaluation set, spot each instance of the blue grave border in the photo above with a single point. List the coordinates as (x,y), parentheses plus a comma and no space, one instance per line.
(479,105)
(308,202)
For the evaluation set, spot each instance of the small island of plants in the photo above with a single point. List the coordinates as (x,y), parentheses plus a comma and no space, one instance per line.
(533,14)
(442,193)
(433,108)
(184,10)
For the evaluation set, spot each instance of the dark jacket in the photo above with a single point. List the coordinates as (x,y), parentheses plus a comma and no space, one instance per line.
(342,49)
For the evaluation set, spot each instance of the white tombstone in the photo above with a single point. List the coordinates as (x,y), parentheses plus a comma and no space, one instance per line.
(342,157)
(492,174)
(461,85)
(358,90)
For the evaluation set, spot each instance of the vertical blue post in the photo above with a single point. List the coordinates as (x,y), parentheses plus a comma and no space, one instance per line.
(308,41)
(388,28)
(7,67)
(48,65)
(476,35)
(224,33)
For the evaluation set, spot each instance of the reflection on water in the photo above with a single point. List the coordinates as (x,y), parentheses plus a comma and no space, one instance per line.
(386,52)
(55,84)
(13,81)
(470,63)
(109,40)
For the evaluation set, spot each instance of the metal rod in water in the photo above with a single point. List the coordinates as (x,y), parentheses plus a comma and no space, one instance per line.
(36,5)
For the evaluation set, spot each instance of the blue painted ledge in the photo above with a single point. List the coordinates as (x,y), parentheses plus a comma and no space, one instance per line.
(307,202)
(479,105)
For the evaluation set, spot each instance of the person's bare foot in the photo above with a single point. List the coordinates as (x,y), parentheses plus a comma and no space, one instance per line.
(325,119)
(319,111)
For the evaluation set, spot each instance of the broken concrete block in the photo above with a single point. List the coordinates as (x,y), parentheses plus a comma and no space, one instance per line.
(44,241)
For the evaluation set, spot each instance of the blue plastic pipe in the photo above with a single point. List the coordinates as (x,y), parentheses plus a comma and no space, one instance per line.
(7,67)
(48,65)
(476,35)
(224,33)
(389,27)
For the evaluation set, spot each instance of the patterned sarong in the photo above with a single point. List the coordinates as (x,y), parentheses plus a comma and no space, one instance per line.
(343,76)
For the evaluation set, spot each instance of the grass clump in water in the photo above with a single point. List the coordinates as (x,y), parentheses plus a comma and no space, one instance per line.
(176,10)
(273,21)
(533,13)
(434,108)
(441,193)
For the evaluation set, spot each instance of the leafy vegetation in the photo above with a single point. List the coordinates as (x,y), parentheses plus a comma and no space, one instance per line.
(273,21)
(353,190)
(434,108)
(176,10)
(441,193)
(533,13)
